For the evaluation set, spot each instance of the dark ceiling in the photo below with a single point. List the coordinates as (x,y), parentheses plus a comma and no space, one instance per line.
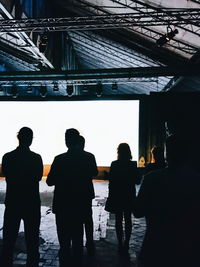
(108,47)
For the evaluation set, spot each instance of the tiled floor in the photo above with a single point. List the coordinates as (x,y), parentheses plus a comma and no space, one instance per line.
(104,233)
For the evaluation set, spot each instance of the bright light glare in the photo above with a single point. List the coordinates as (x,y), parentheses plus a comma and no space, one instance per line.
(104,124)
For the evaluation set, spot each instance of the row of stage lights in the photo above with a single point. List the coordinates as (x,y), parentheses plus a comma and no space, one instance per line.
(14,91)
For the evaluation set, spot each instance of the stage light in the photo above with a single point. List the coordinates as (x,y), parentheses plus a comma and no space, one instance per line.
(14,91)
(70,90)
(114,86)
(85,88)
(167,37)
(43,91)
(55,87)
(43,43)
(29,89)
(99,89)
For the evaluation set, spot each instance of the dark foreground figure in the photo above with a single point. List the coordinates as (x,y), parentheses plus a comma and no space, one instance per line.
(72,173)
(169,199)
(23,170)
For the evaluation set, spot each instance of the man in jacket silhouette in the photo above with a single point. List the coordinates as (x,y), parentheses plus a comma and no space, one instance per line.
(23,170)
(71,173)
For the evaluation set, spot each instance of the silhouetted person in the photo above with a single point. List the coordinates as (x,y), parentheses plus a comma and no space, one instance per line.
(88,220)
(23,170)
(71,173)
(169,199)
(122,179)
(157,159)
(142,162)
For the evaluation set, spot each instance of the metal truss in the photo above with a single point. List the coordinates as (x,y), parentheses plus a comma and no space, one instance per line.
(135,85)
(106,58)
(137,21)
(20,41)
(108,47)
(142,9)
(63,84)
(148,82)
(21,64)
(100,74)
(99,58)
(150,18)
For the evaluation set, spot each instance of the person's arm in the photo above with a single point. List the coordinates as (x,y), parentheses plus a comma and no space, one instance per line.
(4,166)
(51,178)
(111,174)
(39,173)
(94,170)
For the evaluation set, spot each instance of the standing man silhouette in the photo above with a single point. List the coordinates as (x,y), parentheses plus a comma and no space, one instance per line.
(23,170)
(71,173)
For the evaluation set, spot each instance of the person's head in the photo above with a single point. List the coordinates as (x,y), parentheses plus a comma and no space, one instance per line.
(124,152)
(157,154)
(71,137)
(176,150)
(142,161)
(81,142)
(25,136)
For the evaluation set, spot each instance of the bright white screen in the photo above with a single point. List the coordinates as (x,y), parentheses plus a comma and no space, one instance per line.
(104,124)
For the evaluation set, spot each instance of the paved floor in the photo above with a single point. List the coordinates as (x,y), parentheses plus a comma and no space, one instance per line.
(104,233)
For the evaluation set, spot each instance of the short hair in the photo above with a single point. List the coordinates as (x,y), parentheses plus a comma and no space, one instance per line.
(25,135)
(71,132)
(124,151)
(71,137)
(81,141)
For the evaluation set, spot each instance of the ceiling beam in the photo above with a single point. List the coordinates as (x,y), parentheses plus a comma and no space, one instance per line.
(100,74)
(94,22)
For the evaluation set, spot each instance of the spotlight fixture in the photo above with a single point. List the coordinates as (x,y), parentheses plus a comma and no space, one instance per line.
(114,86)
(29,88)
(55,87)
(85,88)
(43,42)
(14,91)
(167,37)
(99,89)
(70,90)
(43,91)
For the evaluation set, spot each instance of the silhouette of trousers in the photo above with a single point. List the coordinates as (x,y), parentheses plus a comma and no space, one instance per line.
(12,218)
(70,234)
(89,227)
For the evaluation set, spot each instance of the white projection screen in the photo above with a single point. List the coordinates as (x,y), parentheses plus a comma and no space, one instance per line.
(104,124)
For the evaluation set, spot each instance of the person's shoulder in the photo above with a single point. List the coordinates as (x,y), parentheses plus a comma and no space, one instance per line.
(9,154)
(114,162)
(88,154)
(61,156)
(34,154)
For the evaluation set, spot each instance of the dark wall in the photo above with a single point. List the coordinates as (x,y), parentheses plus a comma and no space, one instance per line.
(169,113)
(151,126)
